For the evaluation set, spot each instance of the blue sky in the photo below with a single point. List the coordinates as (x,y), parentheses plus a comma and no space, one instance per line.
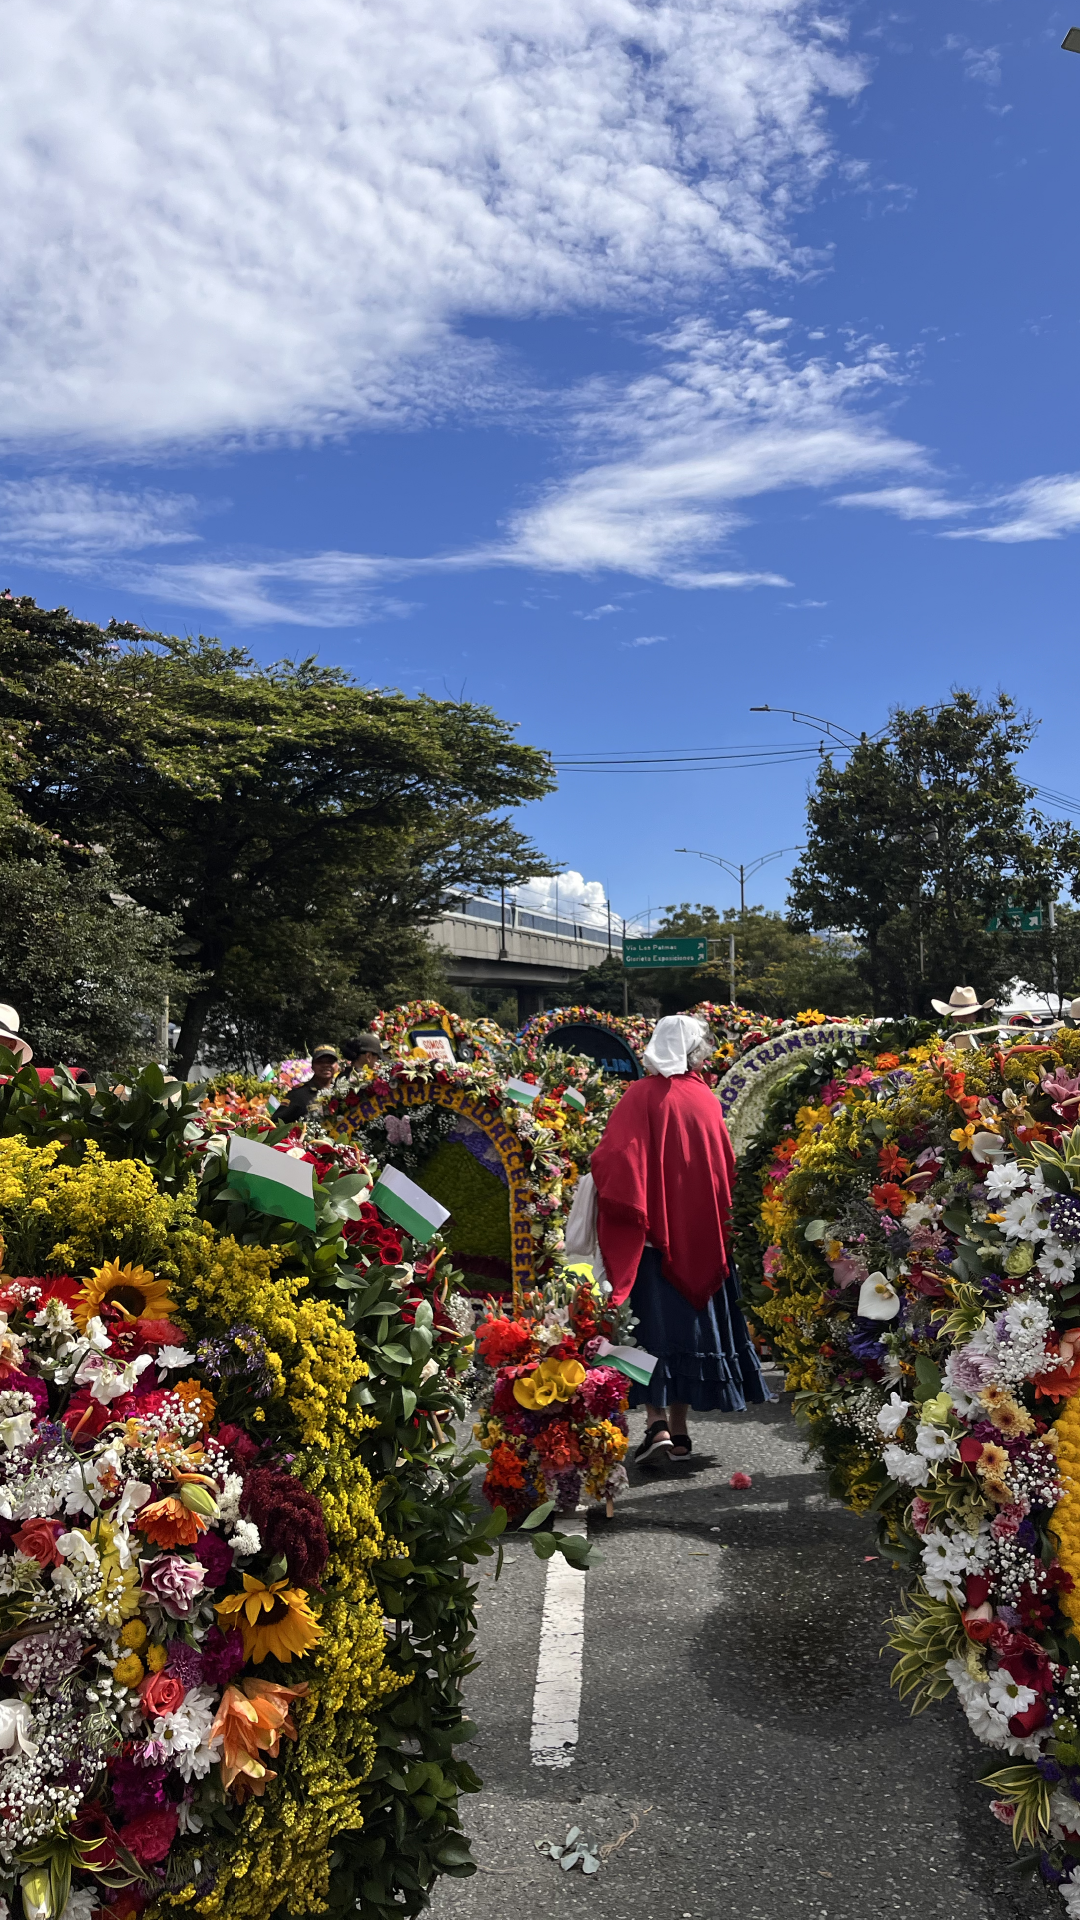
(621,365)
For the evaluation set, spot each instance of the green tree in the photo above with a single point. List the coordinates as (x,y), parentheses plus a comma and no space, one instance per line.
(87,969)
(301,829)
(922,836)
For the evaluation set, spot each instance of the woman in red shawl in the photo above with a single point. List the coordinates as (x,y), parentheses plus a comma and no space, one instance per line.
(663,1174)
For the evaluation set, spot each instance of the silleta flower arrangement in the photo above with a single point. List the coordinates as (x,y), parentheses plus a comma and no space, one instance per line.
(557,1129)
(922,1277)
(554,1422)
(192,1646)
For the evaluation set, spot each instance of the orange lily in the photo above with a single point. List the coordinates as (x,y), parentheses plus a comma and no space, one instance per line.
(251,1720)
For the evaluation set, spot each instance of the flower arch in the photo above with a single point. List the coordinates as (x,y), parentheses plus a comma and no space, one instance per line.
(372,1102)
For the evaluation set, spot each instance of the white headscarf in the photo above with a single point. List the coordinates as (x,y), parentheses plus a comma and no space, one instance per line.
(673,1037)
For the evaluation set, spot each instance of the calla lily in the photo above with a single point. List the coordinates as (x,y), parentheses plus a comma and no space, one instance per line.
(987,1146)
(877,1299)
(552,1380)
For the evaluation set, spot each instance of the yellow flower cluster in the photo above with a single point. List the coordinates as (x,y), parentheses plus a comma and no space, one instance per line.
(67,1219)
(286,1839)
(1066,1521)
(611,1448)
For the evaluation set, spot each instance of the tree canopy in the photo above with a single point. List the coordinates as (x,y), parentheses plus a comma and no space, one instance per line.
(299,828)
(921,837)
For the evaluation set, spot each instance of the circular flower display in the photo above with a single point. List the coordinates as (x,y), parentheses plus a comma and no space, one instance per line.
(193,1644)
(921,1279)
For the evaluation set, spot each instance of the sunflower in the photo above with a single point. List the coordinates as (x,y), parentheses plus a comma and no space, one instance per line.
(273,1619)
(133,1291)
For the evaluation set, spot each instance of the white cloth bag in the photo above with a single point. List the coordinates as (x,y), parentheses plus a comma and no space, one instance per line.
(580,1241)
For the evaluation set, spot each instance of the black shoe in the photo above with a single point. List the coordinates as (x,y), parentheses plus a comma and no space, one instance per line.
(657,1442)
(681,1447)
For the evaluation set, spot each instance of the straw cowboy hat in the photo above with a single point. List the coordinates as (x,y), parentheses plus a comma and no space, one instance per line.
(9,1036)
(960,1001)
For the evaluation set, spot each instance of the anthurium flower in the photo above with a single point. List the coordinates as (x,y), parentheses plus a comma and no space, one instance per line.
(877,1299)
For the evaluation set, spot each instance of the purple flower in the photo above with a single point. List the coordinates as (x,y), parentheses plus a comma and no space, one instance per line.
(137,1789)
(215,1556)
(863,1341)
(222,1657)
(1065,1220)
(174,1583)
(186,1663)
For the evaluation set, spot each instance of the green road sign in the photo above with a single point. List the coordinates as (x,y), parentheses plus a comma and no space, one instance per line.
(665,953)
(1022,919)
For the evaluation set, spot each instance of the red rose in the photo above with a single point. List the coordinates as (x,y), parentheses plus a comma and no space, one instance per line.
(150,1835)
(161,1693)
(978,1589)
(37,1538)
(970,1449)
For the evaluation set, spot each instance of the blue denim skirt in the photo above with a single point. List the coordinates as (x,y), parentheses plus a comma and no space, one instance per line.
(703,1358)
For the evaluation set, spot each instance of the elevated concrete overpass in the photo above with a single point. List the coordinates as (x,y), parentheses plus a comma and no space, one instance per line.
(531,954)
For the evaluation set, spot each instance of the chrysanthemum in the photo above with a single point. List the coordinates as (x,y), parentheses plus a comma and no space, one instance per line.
(133,1291)
(273,1619)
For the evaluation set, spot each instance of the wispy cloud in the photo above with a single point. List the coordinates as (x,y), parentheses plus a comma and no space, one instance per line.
(71,520)
(662,470)
(646,640)
(909,503)
(1045,508)
(292,243)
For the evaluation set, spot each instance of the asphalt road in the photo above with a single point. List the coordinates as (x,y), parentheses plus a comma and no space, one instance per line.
(734,1700)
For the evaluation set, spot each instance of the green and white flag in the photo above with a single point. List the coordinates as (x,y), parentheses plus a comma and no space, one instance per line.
(399,1197)
(637,1365)
(522,1091)
(572,1098)
(275,1183)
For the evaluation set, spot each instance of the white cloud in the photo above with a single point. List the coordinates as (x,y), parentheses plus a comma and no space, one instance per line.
(646,640)
(71,519)
(270,216)
(727,417)
(911,503)
(1041,509)
(666,463)
(576,897)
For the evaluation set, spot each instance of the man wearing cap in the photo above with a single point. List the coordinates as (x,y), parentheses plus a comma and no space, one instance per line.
(324,1061)
(364,1051)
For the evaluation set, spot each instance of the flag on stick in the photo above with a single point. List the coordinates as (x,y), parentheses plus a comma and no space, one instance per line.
(399,1197)
(522,1091)
(637,1365)
(275,1183)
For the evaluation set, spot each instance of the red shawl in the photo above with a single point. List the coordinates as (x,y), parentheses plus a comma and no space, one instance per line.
(663,1173)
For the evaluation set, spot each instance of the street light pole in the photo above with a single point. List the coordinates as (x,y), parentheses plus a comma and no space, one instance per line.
(743,872)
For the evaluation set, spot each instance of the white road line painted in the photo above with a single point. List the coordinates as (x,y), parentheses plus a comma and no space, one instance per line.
(557,1699)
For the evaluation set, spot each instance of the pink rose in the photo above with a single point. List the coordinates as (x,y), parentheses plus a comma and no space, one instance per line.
(173,1582)
(161,1694)
(920,1514)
